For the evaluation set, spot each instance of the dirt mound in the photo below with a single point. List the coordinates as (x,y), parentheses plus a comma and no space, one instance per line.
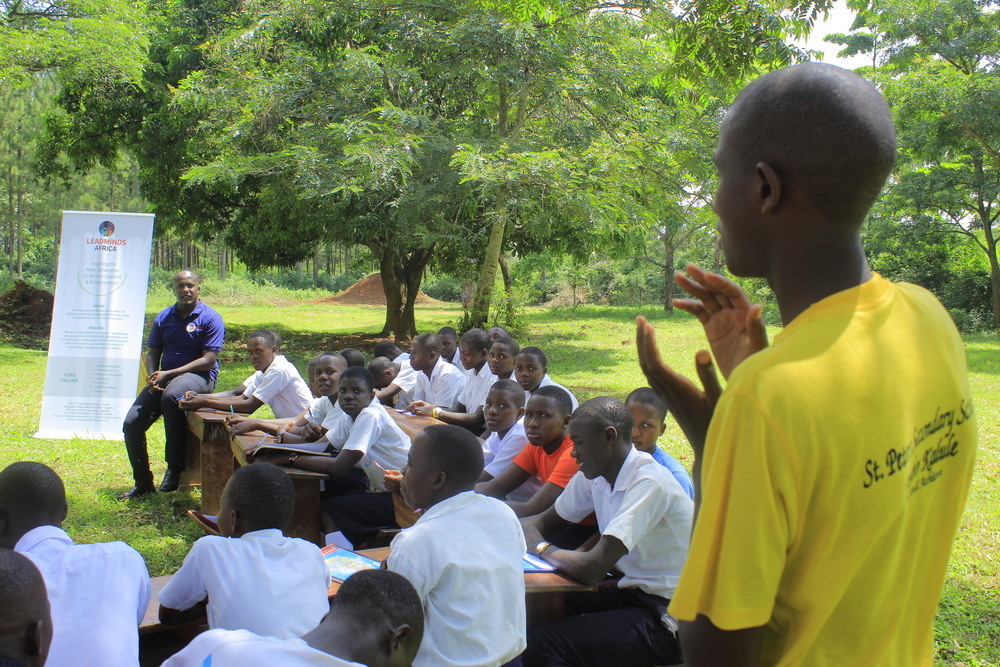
(26,316)
(368,292)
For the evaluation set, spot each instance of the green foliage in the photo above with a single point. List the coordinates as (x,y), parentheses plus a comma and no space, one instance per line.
(443,288)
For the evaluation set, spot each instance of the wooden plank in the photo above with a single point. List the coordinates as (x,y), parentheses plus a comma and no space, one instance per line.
(411,424)
(216,459)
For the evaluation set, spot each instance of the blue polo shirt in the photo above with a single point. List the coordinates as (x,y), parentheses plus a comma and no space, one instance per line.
(182,340)
(676,469)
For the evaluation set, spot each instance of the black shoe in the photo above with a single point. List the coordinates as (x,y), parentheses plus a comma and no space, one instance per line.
(171,480)
(137,492)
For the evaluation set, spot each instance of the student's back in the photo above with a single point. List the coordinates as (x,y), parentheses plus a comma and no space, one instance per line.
(255,578)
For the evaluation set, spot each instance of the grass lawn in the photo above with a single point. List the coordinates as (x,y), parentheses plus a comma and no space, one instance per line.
(591,350)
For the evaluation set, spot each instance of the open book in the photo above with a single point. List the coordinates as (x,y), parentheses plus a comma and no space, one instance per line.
(315,448)
(342,563)
(533,563)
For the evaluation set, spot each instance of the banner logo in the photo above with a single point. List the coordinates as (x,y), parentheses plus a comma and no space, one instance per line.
(107,228)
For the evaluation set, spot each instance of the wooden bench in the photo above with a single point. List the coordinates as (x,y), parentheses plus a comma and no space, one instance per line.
(209,459)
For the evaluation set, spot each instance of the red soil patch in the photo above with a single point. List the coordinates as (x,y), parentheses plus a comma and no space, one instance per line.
(26,316)
(368,292)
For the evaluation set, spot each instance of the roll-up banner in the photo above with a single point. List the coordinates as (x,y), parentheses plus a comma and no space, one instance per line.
(95,345)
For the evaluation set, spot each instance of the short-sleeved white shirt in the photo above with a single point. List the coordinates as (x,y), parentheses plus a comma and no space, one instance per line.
(647,510)
(327,413)
(377,436)
(98,594)
(549,382)
(281,387)
(463,555)
(406,380)
(477,387)
(442,388)
(263,582)
(241,648)
(502,452)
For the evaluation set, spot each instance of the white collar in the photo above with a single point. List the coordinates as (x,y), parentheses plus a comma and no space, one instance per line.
(35,536)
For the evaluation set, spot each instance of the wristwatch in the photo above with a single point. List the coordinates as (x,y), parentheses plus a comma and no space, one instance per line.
(292,457)
(542,546)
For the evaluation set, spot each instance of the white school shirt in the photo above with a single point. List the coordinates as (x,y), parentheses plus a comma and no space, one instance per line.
(263,582)
(242,648)
(281,387)
(549,382)
(477,387)
(377,436)
(501,456)
(98,594)
(442,388)
(463,555)
(647,510)
(328,414)
(406,380)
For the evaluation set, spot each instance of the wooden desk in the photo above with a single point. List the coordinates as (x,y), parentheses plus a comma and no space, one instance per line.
(209,457)
(306,516)
(411,424)
(544,592)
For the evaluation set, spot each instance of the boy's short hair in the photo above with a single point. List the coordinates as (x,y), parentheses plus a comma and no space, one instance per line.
(353,357)
(386,348)
(428,341)
(369,596)
(359,373)
(477,338)
(270,338)
(456,452)
(497,326)
(647,396)
(377,366)
(22,589)
(536,352)
(31,488)
(599,413)
(515,390)
(822,127)
(557,394)
(509,342)
(447,331)
(263,495)
(314,362)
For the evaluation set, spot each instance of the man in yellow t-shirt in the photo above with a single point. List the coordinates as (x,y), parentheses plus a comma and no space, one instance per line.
(832,475)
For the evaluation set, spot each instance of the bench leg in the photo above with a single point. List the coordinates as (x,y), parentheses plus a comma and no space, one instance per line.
(305,521)
(216,469)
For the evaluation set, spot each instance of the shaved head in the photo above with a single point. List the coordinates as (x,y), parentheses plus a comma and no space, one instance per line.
(25,620)
(826,132)
(31,495)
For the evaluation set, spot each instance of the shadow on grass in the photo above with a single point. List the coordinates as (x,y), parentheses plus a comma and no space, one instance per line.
(967,626)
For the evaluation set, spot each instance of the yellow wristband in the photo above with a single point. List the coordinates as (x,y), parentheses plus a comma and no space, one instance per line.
(434,412)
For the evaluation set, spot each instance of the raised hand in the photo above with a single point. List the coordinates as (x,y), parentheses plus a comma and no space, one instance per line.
(691,407)
(733,326)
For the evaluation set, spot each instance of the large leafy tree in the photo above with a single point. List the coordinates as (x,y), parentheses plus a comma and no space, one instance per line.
(939,70)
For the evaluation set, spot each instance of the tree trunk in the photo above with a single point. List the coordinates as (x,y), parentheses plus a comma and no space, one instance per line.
(668,273)
(508,284)
(317,258)
(401,275)
(995,286)
(488,274)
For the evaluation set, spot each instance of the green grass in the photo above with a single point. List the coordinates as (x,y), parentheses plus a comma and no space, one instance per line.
(591,350)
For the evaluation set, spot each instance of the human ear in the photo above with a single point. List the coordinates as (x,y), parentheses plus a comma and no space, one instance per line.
(611,434)
(440,480)
(769,187)
(520,412)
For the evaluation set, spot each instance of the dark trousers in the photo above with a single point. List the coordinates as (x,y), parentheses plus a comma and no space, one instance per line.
(609,626)
(360,516)
(148,406)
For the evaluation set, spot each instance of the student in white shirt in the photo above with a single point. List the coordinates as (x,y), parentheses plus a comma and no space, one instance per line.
(644,517)
(375,443)
(504,410)
(98,593)
(376,620)
(438,382)
(531,372)
(276,382)
(394,376)
(25,620)
(449,347)
(474,348)
(254,577)
(463,555)
(312,424)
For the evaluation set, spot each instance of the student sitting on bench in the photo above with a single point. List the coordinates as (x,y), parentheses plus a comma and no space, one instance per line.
(254,577)
(25,620)
(374,444)
(98,593)
(649,414)
(394,376)
(463,555)
(644,517)
(438,382)
(503,409)
(322,416)
(546,459)
(474,349)
(503,351)
(531,372)
(449,347)
(376,619)
(277,382)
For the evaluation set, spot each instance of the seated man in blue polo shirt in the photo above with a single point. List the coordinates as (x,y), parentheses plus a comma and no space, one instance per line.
(181,356)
